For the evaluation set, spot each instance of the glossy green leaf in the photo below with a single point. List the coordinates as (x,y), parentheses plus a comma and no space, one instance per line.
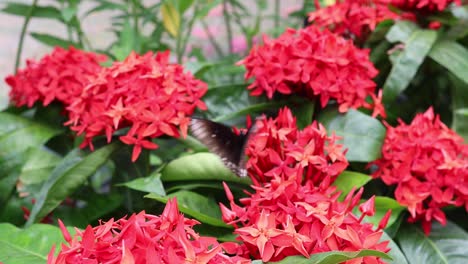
(348,180)
(459,105)
(53,40)
(38,166)
(171,18)
(38,12)
(70,174)
(199,166)
(395,252)
(444,245)
(407,63)
(401,31)
(151,184)
(452,56)
(198,206)
(382,205)
(332,257)
(29,245)
(361,134)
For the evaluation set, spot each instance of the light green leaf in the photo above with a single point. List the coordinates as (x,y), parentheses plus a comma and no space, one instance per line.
(151,184)
(198,206)
(53,41)
(401,31)
(199,166)
(348,180)
(452,56)
(38,12)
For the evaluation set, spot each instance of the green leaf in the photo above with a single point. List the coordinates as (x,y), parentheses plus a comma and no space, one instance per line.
(53,40)
(38,166)
(171,18)
(68,13)
(332,257)
(151,184)
(198,206)
(66,178)
(38,12)
(382,205)
(125,43)
(199,166)
(407,63)
(29,245)
(361,134)
(183,5)
(444,245)
(198,68)
(459,91)
(452,56)
(395,252)
(401,31)
(348,180)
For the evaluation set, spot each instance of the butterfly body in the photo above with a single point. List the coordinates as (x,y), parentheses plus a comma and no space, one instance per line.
(221,140)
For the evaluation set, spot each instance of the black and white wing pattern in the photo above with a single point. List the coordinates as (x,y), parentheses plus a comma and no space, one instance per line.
(222,141)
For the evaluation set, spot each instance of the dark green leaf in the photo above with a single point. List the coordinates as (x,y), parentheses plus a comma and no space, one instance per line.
(348,180)
(198,206)
(452,56)
(199,166)
(459,105)
(66,178)
(151,184)
(395,252)
(29,245)
(407,63)
(39,11)
(362,135)
(444,245)
(332,257)
(53,40)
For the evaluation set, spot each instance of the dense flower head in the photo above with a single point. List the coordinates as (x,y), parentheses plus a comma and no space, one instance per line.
(353,18)
(146,94)
(59,76)
(421,5)
(294,209)
(428,163)
(142,238)
(315,63)
(278,149)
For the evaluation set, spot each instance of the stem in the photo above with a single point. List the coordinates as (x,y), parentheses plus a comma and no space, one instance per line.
(212,39)
(182,45)
(23,33)
(227,20)
(135,17)
(277,16)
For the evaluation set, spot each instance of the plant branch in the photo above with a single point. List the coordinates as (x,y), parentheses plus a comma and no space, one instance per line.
(23,33)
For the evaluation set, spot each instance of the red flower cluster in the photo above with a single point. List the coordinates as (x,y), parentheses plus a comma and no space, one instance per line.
(279,150)
(143,238)
(315,63)
(145,93)
(295,210)
(60,76)
(422,5)
(429,164)
(356,17)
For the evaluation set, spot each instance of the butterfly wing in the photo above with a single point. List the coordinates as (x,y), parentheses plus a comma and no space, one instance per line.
(222,141)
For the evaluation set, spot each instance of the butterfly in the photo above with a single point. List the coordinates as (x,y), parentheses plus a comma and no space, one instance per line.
(222,141)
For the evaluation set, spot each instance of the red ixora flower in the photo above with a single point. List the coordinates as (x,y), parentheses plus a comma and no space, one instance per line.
(428,163)
(294,209)
(142,238)
(146,94)
(353,18)
(421,5)
(59,76)
(316,63)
